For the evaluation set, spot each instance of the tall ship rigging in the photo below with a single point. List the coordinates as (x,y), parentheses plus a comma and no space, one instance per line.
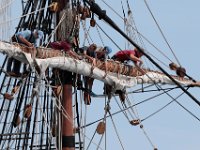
(49,106)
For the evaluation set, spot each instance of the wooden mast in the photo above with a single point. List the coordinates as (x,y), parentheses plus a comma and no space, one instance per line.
(68,138)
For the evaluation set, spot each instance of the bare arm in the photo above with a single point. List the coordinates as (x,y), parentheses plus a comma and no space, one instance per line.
(86,56)
(73,54)
(92,60)
(135,59)
(23,40)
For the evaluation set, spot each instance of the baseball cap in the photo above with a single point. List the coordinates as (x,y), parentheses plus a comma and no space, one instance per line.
(108,49)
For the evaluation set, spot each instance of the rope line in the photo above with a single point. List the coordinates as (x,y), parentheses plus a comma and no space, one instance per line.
(164,37)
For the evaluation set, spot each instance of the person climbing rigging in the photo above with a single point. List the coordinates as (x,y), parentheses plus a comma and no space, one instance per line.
(88,52)
(32,39)
(180,71)
(102,53)
(67,46)
(126,55)
(133,55)
(92,53)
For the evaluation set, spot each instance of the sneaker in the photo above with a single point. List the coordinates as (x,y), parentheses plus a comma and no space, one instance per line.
(14,74)
(79,85)
(87,98)
(122,95)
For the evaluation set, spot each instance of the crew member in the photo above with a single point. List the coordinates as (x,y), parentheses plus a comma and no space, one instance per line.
(28,38)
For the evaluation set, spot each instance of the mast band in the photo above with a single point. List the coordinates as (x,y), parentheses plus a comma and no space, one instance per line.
(68,141)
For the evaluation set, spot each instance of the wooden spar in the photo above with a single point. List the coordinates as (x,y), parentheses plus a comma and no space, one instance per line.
(54,57)
(67,126)
(43,53)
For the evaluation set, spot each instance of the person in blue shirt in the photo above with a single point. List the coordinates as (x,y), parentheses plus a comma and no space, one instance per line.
(102,53)
(91,52)
(28,38)
(88,52)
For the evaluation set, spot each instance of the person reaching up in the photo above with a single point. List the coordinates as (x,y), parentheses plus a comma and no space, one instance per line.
(102,53)
(30,39)
(133,55)
(126,55)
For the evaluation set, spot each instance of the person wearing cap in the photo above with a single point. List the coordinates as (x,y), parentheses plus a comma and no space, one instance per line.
(126,55)
(102,53)
(28,38)
(88,52)
(91,53)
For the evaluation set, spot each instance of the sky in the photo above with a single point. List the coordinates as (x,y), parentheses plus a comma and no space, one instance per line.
(173,128)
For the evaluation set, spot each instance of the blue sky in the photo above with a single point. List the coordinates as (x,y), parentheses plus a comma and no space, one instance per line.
(173,128)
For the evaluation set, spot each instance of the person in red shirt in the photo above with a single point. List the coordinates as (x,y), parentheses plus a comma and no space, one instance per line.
(126,55)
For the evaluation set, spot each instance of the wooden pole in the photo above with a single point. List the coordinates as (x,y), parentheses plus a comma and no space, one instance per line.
(67,125)
(68,138)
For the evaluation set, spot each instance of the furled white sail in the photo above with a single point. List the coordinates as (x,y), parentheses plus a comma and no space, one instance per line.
(118,81)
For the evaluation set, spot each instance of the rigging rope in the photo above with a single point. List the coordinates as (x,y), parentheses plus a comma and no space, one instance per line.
(55,29)
(162,108)
(145,100)
(140,33)
(100,36)
(66,115)
(116,130)
(148,138)
(161,31)
(97,10)
(86,33)
(136,114)
(24,15)
(109,37)
(124,112)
